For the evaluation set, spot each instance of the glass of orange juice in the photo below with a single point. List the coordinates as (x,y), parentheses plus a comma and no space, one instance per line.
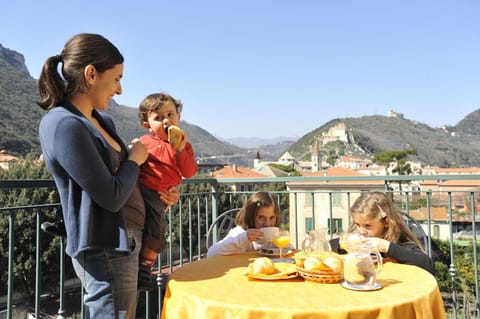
(282,241)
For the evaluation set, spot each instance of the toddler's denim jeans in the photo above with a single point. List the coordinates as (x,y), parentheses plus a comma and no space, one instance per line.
(110,280)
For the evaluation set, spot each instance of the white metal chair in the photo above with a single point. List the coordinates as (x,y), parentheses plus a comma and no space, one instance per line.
(221,226)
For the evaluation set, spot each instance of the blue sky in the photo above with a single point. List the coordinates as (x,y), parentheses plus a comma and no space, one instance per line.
(268,68)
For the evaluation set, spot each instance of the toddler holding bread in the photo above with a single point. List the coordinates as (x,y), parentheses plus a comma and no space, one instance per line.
(170,158)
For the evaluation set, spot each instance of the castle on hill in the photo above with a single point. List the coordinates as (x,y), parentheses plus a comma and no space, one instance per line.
(317,163)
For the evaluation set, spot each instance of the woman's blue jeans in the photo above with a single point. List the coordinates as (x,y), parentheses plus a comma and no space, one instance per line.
(110,280)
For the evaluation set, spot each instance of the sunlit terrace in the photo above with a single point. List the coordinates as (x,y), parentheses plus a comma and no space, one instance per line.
(37,276)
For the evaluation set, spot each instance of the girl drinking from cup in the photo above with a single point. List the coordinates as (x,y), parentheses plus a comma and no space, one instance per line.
(383,229)
(260,210)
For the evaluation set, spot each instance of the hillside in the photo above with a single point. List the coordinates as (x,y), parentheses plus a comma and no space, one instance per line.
(20,116)
(454,146)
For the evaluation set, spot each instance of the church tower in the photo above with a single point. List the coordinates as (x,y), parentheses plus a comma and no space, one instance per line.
(256,161)
(315,157)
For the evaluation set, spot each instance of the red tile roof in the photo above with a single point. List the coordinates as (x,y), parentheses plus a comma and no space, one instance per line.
(236,171)
(339,172)
(467,170)
(439,213)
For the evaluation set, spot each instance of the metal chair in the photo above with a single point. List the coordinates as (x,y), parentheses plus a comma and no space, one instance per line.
(416,228)
(221,226)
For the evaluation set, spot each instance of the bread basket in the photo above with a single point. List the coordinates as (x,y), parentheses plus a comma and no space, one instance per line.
(325,277)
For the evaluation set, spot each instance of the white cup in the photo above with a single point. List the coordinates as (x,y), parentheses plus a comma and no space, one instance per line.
(269,233)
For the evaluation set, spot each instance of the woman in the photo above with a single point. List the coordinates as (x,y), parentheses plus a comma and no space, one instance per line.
(95,173)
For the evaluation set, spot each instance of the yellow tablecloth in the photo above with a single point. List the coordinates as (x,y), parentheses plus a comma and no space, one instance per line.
(217,288)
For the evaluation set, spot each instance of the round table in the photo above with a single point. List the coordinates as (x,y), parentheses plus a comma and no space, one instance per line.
(218,288)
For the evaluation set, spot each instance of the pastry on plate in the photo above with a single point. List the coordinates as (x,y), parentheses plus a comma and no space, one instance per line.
(263,265)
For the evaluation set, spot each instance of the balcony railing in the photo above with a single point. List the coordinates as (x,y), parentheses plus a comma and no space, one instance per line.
(306,203)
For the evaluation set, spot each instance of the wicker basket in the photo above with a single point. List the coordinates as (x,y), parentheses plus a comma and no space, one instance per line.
(321,276)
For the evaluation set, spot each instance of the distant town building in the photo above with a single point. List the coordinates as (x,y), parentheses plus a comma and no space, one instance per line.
(270,171)
(6,159)
(353,162)
(372,170)
(208,168)
(316,159)
(310,201)
(238,172)
(256,161)
(287,159)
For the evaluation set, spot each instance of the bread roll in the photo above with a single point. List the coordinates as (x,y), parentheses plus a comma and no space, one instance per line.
(334,263)
(299,261)
(314,263)
(327,263)
(175,136)
(263,265)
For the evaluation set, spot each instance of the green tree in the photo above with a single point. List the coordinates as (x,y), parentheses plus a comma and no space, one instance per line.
(397,160)
(332,159)
(25,228)
(286,168)
(464,280)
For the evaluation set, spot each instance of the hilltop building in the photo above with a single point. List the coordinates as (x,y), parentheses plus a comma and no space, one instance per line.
(335,133)
(392,113)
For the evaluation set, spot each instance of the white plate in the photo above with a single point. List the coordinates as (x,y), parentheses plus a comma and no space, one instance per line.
(375,286)
(274,252)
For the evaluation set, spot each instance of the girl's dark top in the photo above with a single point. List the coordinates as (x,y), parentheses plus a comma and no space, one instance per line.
(92,192)
(404,252)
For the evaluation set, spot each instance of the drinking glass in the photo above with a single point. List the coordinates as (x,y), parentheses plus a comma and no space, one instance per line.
(282,241)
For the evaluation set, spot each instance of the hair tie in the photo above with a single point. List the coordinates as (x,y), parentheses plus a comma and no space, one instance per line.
(59,58)
(382,212)
(260,203)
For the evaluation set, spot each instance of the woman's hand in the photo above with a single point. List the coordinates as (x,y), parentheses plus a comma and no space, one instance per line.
(170,197)
(137,152)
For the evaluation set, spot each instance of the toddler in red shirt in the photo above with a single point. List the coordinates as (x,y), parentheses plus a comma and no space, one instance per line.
(165,167)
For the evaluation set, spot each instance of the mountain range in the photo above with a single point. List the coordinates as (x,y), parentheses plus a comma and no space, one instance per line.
(450,146)
(256,142)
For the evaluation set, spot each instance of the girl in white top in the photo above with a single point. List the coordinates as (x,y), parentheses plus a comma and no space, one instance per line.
(260,210)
